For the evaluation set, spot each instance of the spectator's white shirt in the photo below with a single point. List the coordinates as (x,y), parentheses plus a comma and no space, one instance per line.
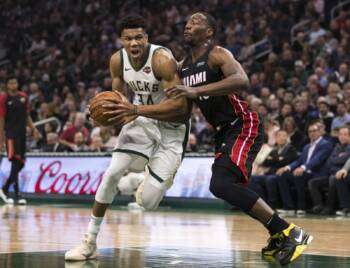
(314,35)
(340,121)
(312,149)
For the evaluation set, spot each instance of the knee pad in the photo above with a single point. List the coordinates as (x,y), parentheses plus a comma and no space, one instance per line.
(150,193)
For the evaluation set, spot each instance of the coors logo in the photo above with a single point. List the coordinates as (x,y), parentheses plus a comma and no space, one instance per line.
(53,180)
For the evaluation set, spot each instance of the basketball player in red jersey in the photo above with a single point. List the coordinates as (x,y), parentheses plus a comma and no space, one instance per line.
(212,79)
(14,117)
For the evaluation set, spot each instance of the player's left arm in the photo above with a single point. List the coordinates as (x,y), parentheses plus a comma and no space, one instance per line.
(234,79)
(174,110)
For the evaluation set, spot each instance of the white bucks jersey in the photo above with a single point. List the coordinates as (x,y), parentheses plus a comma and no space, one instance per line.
(143,82)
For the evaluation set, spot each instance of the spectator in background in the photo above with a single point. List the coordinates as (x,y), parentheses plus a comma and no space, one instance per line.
(53,144)
(282,154)
(79,143)
(324,114)
(44,112)
(343,117)
(96,144)
(288,97)
(64,65)
(333,96)
(316,32)
(342,75)
(296,137)
(335,162)
(302,113)
(271,127)
(298,173)
(286,111)
(301,74)
(342,184)
(67,136)
(107,134)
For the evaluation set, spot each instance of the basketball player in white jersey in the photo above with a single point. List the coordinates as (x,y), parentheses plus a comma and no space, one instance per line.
(148,138)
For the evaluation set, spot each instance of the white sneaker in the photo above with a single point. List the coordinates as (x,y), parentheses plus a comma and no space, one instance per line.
(10,201)
(86,251)
(22,201)
(3,196)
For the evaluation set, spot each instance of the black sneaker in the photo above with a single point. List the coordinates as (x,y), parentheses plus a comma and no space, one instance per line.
(294,241)
(273,246)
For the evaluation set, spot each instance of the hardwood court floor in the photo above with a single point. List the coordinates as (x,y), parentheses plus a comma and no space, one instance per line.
(37,236)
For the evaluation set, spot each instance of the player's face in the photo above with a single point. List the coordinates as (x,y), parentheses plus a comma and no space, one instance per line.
(135,42)
(196,29)
(12,84)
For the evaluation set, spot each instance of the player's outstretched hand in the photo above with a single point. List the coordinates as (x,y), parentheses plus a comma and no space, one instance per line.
(181,91)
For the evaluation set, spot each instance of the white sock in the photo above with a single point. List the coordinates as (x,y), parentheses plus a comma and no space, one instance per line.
(94,227)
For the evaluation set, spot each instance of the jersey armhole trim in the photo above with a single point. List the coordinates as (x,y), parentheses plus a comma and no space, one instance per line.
(122,62)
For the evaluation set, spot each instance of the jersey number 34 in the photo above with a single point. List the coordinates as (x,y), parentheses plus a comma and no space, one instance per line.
(145,99)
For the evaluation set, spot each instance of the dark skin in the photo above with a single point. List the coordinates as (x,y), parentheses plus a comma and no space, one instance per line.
(135,42)
(164,67)
(198,35)
(12,89)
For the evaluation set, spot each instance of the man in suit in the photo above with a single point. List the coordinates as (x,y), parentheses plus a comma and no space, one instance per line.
(309,164)
(283,154)
(52,144)
(342,184)
(335,162)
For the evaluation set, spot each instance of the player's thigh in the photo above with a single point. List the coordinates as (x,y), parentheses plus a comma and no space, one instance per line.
(164,164)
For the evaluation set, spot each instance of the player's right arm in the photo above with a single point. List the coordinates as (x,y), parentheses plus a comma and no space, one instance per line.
(116,70)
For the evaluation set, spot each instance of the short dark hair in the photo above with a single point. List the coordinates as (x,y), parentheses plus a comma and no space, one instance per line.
(131,22)
(211,22)
(345,127)
(11,77)
(342,103)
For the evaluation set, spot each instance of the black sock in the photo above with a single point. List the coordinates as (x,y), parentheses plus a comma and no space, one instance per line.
(276,224)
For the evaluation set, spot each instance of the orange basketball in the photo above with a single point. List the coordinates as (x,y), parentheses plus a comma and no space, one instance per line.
(96,109)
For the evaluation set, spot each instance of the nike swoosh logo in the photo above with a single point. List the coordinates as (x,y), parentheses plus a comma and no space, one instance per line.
(127,69)
(300,237)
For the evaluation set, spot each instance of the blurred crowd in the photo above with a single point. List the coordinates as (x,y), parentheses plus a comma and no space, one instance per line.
(59,51)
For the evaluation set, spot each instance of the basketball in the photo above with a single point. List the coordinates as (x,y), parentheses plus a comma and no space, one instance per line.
(96,106)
